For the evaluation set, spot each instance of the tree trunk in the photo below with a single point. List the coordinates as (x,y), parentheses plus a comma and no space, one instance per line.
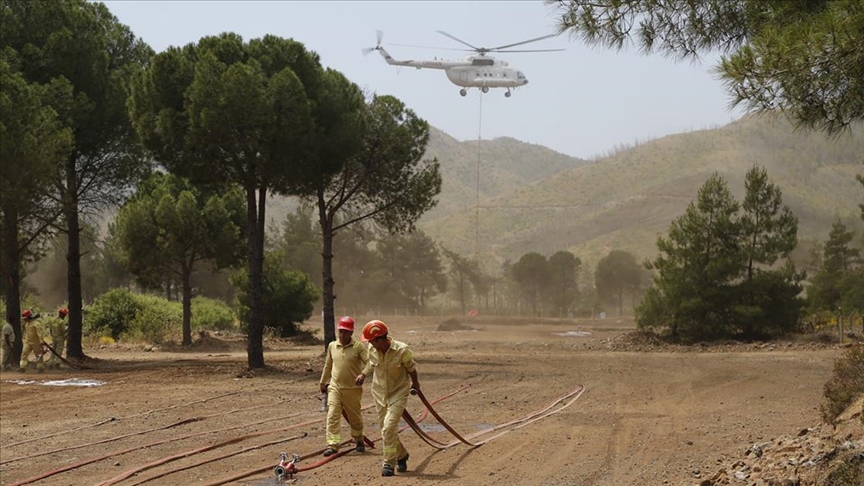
(329,296)
(10,263)
(620,301)
(187,305)
(462,293)
(534,293)
(255,269)
(73,263)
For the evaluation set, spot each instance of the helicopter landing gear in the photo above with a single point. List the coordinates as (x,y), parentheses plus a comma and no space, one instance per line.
(463,92)
(485,89)
(507,94)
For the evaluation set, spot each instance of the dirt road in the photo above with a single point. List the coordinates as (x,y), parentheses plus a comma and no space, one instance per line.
(667,416)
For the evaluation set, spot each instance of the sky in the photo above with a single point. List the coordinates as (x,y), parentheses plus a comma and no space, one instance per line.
(583,102)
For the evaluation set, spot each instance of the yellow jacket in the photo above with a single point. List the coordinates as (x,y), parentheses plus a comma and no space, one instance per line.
(57,328)
(391,381)
(31,334)
(343,364)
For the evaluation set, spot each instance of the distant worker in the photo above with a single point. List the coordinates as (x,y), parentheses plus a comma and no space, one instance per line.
(394,375)
(7,345)
(342,383)
(58,337)
(32,342)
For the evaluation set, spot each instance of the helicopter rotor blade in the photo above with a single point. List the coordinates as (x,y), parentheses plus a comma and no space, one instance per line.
(378,35)
(531,50)
(523,42)
(445,34)
(430,47)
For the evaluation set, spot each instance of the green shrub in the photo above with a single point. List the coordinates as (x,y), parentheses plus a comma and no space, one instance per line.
(111,313)
(289,297)
(127,316)
(156,320)
(846,385)
(212,314)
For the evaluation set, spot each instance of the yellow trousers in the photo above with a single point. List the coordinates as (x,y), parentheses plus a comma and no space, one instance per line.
(349,400)
(388,420)
(58,343)
(25,353)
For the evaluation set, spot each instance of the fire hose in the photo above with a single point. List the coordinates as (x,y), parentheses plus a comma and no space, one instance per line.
(447,426)
(570,398)
(321,462)
(132,434)
(152,444)
(61,358)
(197,451)
(112,419)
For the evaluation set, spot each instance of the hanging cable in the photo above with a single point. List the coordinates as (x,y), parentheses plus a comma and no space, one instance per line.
(477,193)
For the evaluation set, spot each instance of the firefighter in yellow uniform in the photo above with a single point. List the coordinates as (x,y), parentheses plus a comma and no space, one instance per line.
(58,337)
(394,375)
(341,380)
(32,342)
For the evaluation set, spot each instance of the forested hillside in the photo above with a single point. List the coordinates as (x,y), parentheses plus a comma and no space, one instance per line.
(626,200)
(505,166)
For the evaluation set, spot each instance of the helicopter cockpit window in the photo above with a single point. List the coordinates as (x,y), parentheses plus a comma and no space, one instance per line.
(520,75)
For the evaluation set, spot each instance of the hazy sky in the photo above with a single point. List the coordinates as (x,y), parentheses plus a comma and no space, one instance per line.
(581,102)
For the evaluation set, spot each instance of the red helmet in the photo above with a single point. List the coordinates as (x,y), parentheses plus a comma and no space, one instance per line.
(346,323)
(29,315)
(62,312)
(374,329)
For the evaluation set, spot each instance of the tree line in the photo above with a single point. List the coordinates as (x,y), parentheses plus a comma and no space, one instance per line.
(92,111)
(197,137)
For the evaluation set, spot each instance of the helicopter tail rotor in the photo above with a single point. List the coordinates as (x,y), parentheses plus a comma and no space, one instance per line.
(379,35)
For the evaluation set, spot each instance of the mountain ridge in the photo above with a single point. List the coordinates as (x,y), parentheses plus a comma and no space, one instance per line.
(628,198)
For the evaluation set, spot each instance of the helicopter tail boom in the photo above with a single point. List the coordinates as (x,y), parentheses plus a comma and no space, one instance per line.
(419,64)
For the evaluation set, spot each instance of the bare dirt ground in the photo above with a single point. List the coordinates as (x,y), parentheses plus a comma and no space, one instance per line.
(649,414)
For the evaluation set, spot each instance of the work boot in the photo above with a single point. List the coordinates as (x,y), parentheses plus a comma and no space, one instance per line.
(330,451)
(387,470)
(402,464)
(361,447)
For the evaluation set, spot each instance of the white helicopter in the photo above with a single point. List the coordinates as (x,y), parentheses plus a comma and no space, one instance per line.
(477,71)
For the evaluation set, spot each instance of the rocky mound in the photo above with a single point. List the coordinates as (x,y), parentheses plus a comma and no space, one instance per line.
(817,456)
(454,325)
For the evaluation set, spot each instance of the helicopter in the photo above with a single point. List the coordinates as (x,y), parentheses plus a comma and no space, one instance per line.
(475,71)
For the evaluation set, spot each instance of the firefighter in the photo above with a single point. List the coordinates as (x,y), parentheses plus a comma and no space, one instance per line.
(7,344)
(342,381)
(32,342)
(58,337)
(395,374)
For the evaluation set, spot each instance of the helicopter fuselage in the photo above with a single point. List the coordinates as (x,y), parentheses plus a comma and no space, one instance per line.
(482,71)
(492,76)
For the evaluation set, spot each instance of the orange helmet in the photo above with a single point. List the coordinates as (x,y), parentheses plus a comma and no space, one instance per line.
(62,312)
(374,329)
(346,323)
